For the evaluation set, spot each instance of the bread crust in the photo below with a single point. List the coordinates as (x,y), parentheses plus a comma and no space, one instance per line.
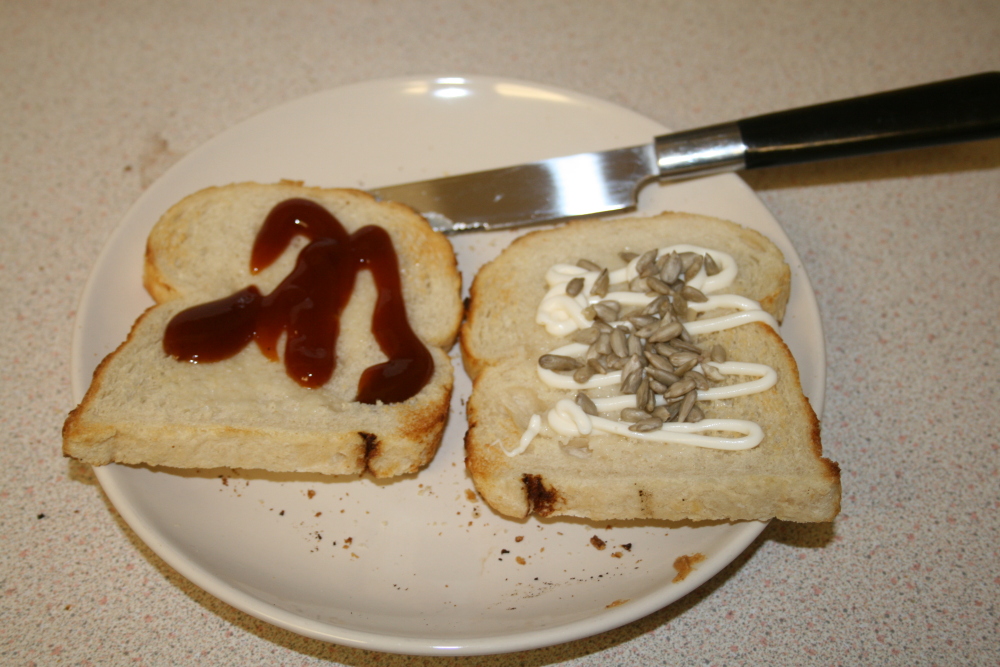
(784,477)
(144,407)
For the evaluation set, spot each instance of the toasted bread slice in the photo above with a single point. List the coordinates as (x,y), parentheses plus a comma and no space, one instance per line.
(606,476)
(146,407)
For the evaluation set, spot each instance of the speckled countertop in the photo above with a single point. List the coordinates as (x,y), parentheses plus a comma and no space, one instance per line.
(97,99)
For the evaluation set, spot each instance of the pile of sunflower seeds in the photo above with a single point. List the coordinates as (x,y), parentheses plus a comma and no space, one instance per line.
(654,351)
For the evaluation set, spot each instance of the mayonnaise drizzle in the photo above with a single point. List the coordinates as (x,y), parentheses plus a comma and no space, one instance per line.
(566,417)
(562,314)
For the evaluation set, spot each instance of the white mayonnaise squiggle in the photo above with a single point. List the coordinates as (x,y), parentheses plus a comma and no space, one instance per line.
(566,417)
(562,314)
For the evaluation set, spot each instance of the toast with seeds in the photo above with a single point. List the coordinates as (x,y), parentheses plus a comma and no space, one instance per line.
(627,369)
(148,405)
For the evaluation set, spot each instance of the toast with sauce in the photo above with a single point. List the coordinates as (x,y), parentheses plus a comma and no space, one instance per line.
(167,401)
(536,448)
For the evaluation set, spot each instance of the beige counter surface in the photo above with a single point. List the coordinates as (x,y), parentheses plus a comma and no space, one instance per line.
(97,99)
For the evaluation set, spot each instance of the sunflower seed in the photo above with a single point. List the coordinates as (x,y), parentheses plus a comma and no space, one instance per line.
(588,265)
(680,307)
(603,327)
(603,344)
(583,373)
(586,404)
(630,383)
(691,271)
(661,260)
(589,313)
(700,381)
(558,362)
(656,386)
(711,268)
(686,366)
(666,350)
(592,353)
(661,376)
(627,256)
(657,361)
(644,262)
(607,310)
(682,344)
(666,332)
(619,344)
(597,365)
(614,362)
(639,321)
(718,354)
(637,284)
(574,286)
(680,388)
(628,314)
(631,375)
(645,399)
(633,415)
(671,268)
(658,286)
(648,330)
(682,358)
(664,412)
(687,259)
(693,295)
(600,287)
(635,346)
(646,425)
(696,415)
(586,336)
(713,373)
(686,406)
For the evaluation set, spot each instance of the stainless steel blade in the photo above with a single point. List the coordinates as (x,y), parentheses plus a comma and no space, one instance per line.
(563,187)
(963,109)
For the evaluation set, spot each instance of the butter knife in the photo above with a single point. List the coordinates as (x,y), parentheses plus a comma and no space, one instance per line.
(951,111)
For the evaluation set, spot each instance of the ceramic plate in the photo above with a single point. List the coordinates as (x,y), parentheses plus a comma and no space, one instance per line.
(419,565)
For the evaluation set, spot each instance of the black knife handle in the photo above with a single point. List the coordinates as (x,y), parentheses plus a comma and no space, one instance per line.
(964,109)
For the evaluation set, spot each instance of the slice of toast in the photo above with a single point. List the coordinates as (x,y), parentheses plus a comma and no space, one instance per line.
(603,475)
(145,406)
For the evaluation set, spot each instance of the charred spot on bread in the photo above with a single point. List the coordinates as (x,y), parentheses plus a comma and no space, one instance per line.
(542,500)
(372,446)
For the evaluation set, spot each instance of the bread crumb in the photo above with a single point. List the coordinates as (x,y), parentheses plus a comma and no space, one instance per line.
(685,566)
(598,543)
(310,493)
(617,554)
(519,538)
(520,560)
(616,603)
(470,495)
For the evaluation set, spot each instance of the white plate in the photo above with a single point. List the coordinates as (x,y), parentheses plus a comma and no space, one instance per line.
(418,565)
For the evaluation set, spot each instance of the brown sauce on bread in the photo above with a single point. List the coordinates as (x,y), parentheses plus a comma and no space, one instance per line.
(307,305)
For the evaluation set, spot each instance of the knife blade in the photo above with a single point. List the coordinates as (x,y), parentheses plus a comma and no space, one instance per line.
(604,182)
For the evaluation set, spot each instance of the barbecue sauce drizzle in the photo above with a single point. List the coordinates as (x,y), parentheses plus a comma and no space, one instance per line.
(308,304)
